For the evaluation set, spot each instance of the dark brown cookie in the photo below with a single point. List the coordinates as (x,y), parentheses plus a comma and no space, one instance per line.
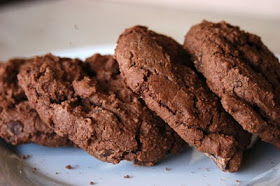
(241,70)
(19,123)
(157,68)
(92,106)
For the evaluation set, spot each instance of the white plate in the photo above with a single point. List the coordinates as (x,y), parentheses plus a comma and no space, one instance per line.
(189,168)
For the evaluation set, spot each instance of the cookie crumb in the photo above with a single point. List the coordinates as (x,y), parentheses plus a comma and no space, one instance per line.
(68,167)
(207,169)
(167,169)
(126,176)
(91,183)
(24,157)
(56,172)
(237,182)
(34,170)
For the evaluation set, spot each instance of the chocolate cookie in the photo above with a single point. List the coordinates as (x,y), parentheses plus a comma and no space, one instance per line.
(90,103)
(241,70)
(19,123)
(157,68)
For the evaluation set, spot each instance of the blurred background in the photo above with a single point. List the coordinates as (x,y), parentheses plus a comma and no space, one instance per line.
(39,26)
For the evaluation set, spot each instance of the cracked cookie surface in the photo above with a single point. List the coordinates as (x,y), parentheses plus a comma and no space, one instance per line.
(157,68)
(241,70)
(19,122)
(90,103)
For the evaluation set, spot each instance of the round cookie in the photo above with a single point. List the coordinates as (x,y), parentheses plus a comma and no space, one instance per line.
(241,70)
(89,103)
(157,68)
(19,123)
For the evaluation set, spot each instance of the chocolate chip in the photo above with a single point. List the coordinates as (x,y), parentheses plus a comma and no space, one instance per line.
(108,153)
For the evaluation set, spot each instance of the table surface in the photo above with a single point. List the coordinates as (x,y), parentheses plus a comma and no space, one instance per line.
(38,27)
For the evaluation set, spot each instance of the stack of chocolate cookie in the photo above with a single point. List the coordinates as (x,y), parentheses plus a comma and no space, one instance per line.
(150,99)
(85,102)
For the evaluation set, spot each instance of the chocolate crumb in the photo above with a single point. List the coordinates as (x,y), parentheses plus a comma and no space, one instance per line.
(34,170)
(91,183)
(24,157)
(56,172)
(126,176)
(167,169)
(68,167)
(237,182)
